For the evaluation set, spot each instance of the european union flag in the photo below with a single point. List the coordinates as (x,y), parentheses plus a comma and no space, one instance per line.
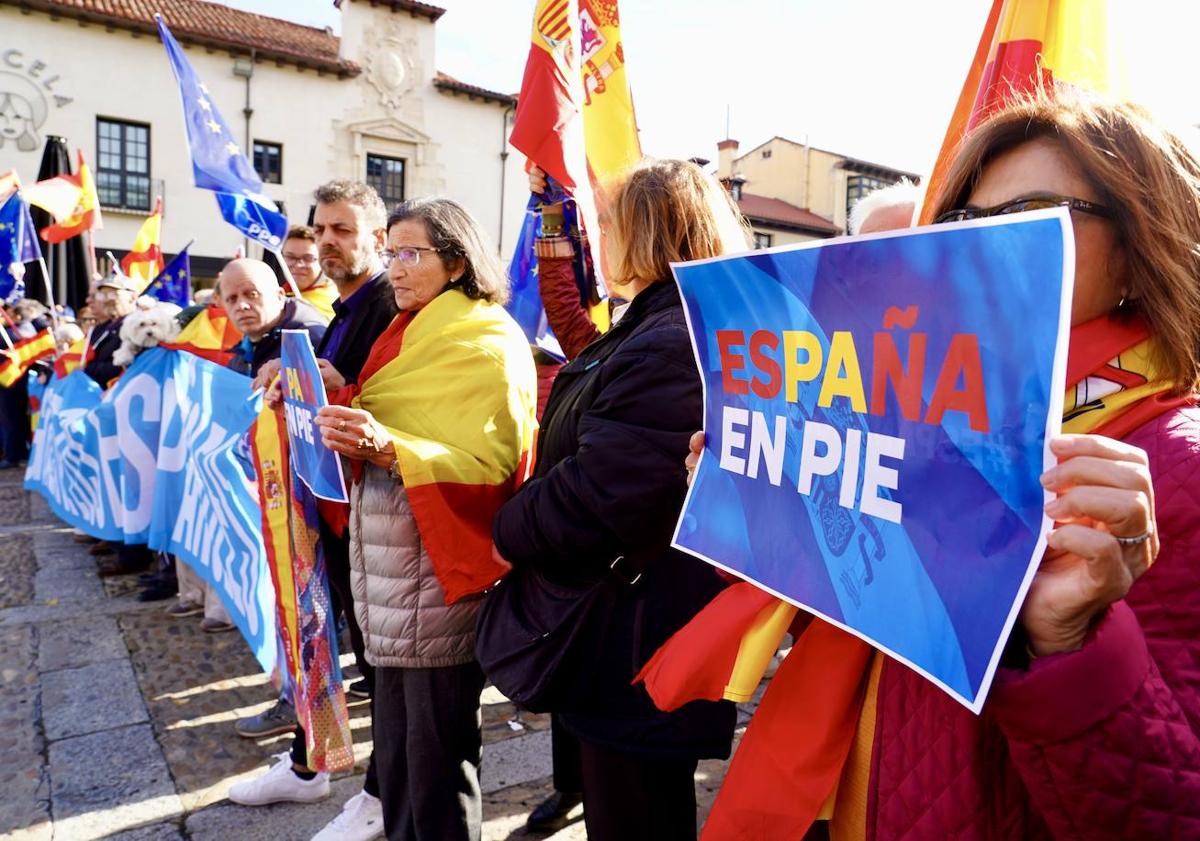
(18,245)
(218,163)
(174,283)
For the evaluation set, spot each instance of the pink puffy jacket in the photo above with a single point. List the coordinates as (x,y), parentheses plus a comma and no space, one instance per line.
(1096,744)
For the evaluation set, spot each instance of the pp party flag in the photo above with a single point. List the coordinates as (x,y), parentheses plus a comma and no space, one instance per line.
(218,164)
(18,245)
(84,215)
(144,259)
(14,363)
(174,283)
(1027,44)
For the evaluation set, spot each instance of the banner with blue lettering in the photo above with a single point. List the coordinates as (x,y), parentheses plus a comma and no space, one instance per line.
(303,396)
(877,412)
(162,459)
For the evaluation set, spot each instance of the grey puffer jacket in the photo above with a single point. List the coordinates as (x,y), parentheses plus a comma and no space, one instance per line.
(399,603)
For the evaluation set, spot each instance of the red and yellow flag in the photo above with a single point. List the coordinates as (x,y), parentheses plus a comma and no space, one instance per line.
(84,213)
(1026,44)
(145,260)
(70,359)
(463,432)
(209,334)
(15,362)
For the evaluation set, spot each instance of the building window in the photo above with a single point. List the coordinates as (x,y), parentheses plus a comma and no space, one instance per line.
(860,186)
(386,175)
(268,161)
(766,153)
(123,164)
(762,240)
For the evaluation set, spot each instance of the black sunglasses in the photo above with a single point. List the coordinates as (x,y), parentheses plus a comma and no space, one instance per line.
(1022,205)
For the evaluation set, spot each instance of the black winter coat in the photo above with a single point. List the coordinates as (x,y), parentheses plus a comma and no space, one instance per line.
(105,341)
(364,327)
(610,481)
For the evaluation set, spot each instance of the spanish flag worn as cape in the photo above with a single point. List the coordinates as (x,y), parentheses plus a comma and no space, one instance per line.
(459,401)
(14,363)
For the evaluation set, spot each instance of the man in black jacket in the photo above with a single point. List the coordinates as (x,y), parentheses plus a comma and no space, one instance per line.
(350,224)
(115,297)
(258,307)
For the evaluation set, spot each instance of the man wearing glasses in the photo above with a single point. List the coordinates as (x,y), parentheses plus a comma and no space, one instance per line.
(303,260)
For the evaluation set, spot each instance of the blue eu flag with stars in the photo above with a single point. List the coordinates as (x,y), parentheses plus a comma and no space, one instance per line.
(18,244)
(218,164)
(174,283)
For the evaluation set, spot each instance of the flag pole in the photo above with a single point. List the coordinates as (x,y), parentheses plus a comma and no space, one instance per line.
(49,289)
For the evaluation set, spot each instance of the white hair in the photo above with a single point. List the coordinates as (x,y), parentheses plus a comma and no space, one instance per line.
(894,195)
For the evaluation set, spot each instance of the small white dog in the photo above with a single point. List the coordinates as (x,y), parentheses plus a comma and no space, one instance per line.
(152,322)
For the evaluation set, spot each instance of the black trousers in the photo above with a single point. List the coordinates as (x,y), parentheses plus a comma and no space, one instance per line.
(628,798)
(428,748)
(564,751)
(14,421)
(337,566)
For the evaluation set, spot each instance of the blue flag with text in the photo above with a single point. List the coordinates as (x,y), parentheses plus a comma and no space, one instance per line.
(303,396)
(876,415)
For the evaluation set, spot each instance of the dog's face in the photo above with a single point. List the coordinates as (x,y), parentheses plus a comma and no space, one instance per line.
(146,328)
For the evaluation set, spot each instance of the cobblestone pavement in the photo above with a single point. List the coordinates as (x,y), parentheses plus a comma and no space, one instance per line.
(116,721)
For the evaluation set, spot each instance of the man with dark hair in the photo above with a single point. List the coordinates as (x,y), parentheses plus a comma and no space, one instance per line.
(303,261)
(350,227)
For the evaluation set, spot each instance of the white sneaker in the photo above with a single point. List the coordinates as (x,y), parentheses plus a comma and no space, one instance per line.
(361,819)
(278,785)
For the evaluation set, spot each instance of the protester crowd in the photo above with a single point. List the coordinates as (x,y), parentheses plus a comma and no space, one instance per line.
(1092,727)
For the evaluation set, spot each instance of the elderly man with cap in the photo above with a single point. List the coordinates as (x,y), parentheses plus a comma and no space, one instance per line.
(259,308)
(115,297)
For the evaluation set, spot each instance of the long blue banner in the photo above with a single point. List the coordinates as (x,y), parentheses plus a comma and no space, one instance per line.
(162,459)
(876,416)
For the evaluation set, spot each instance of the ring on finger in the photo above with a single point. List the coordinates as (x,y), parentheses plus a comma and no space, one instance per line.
(1133,541)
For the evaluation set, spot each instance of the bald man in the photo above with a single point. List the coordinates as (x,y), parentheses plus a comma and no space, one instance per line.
(256,304)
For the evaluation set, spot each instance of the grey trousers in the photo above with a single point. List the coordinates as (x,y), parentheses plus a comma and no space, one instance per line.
(427,728)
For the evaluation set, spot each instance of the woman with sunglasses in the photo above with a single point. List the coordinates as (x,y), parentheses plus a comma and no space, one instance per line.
(1092,727)
(438,433)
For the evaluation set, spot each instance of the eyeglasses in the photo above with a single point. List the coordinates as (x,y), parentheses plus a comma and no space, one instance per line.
(301,260)
(1022,205)
(409,255)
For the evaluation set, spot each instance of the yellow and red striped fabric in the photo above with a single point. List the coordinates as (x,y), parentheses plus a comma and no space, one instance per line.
(14,363)
(459,401)
(145,260)
(70,359)
(210,334)
(1024,44)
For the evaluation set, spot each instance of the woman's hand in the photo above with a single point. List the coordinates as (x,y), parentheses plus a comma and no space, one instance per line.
(695,448)
(330,376)
(1104,492)
(355,433)
(537,179)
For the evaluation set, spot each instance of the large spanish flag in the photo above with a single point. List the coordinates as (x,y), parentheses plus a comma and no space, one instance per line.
(15,362)
(609,127)
(209,334)
(145,260)
(1026,44)
(459,401)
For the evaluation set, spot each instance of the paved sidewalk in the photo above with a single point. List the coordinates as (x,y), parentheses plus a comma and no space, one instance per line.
(116,721)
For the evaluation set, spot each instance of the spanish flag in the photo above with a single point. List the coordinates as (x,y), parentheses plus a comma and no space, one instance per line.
(1027,44)
(459,401)
(85,213)
(70,359)
(209,334)
(15,362)
(145,260)
(609,127)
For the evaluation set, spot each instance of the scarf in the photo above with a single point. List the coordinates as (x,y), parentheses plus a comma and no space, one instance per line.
(786,771)
(458,401)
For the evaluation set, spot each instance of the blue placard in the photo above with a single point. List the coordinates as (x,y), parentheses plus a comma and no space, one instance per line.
(303,396)
(876,413)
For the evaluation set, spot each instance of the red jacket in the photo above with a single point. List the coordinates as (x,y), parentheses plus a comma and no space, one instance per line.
(1095,744)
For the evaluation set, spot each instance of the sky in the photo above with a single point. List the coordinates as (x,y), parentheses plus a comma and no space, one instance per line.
(871,79)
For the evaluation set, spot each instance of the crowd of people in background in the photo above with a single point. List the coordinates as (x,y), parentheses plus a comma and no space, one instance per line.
(1100,676)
